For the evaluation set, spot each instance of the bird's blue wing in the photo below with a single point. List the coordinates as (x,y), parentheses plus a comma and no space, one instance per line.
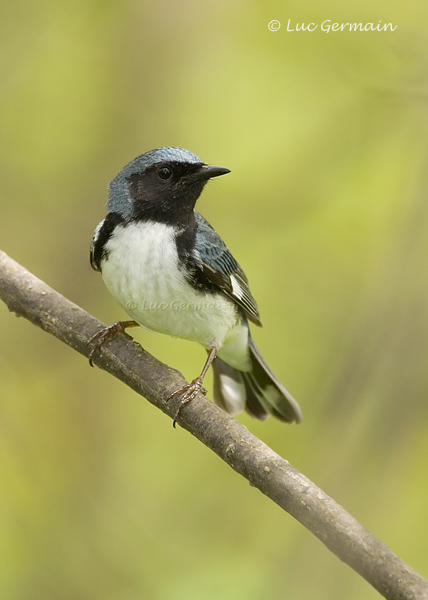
(222,270)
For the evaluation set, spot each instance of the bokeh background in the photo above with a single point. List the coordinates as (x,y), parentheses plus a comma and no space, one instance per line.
(326,208)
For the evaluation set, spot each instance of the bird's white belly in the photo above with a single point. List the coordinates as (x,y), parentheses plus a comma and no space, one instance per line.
(141,272)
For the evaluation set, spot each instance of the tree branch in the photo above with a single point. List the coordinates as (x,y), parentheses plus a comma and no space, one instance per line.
(31,298)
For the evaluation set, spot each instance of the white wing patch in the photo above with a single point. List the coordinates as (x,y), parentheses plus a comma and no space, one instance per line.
(237,289)
(243,295)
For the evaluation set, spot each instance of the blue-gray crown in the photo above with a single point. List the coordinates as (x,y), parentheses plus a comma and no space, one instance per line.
(119,200)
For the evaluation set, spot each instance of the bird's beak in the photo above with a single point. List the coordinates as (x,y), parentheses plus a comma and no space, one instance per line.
(208,171)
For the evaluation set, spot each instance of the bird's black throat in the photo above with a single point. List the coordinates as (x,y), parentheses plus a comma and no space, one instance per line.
(169,202)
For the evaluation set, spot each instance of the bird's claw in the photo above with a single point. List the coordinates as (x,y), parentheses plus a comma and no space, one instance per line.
(104,335)
(187,393)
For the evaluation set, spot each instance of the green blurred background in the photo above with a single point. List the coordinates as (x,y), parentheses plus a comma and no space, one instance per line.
(326,209)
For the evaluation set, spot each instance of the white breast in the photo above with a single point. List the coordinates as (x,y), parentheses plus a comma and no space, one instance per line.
(141,272)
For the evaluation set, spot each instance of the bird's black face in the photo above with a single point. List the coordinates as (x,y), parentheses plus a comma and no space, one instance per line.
(167,191)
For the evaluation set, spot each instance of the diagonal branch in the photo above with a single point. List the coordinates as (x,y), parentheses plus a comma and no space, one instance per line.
(31,298)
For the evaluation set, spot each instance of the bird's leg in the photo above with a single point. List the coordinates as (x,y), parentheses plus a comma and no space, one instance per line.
(107,334)
(189,391)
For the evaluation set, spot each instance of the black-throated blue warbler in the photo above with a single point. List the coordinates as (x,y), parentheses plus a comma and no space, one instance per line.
(173,274)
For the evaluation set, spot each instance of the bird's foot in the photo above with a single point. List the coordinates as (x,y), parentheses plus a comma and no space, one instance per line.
(106,335)
(187,393)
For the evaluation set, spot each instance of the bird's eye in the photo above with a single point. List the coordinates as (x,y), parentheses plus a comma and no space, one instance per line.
(165,173)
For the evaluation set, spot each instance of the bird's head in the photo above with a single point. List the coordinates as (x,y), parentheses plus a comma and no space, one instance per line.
(162,184)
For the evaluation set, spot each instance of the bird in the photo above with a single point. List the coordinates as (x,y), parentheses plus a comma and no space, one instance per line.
(172,273)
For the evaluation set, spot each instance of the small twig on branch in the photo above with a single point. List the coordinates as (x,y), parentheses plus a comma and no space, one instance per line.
(31,298)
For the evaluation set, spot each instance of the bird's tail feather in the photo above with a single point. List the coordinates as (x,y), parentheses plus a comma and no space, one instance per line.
(258,391)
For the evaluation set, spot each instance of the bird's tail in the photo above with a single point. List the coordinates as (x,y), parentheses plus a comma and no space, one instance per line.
(258,391)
